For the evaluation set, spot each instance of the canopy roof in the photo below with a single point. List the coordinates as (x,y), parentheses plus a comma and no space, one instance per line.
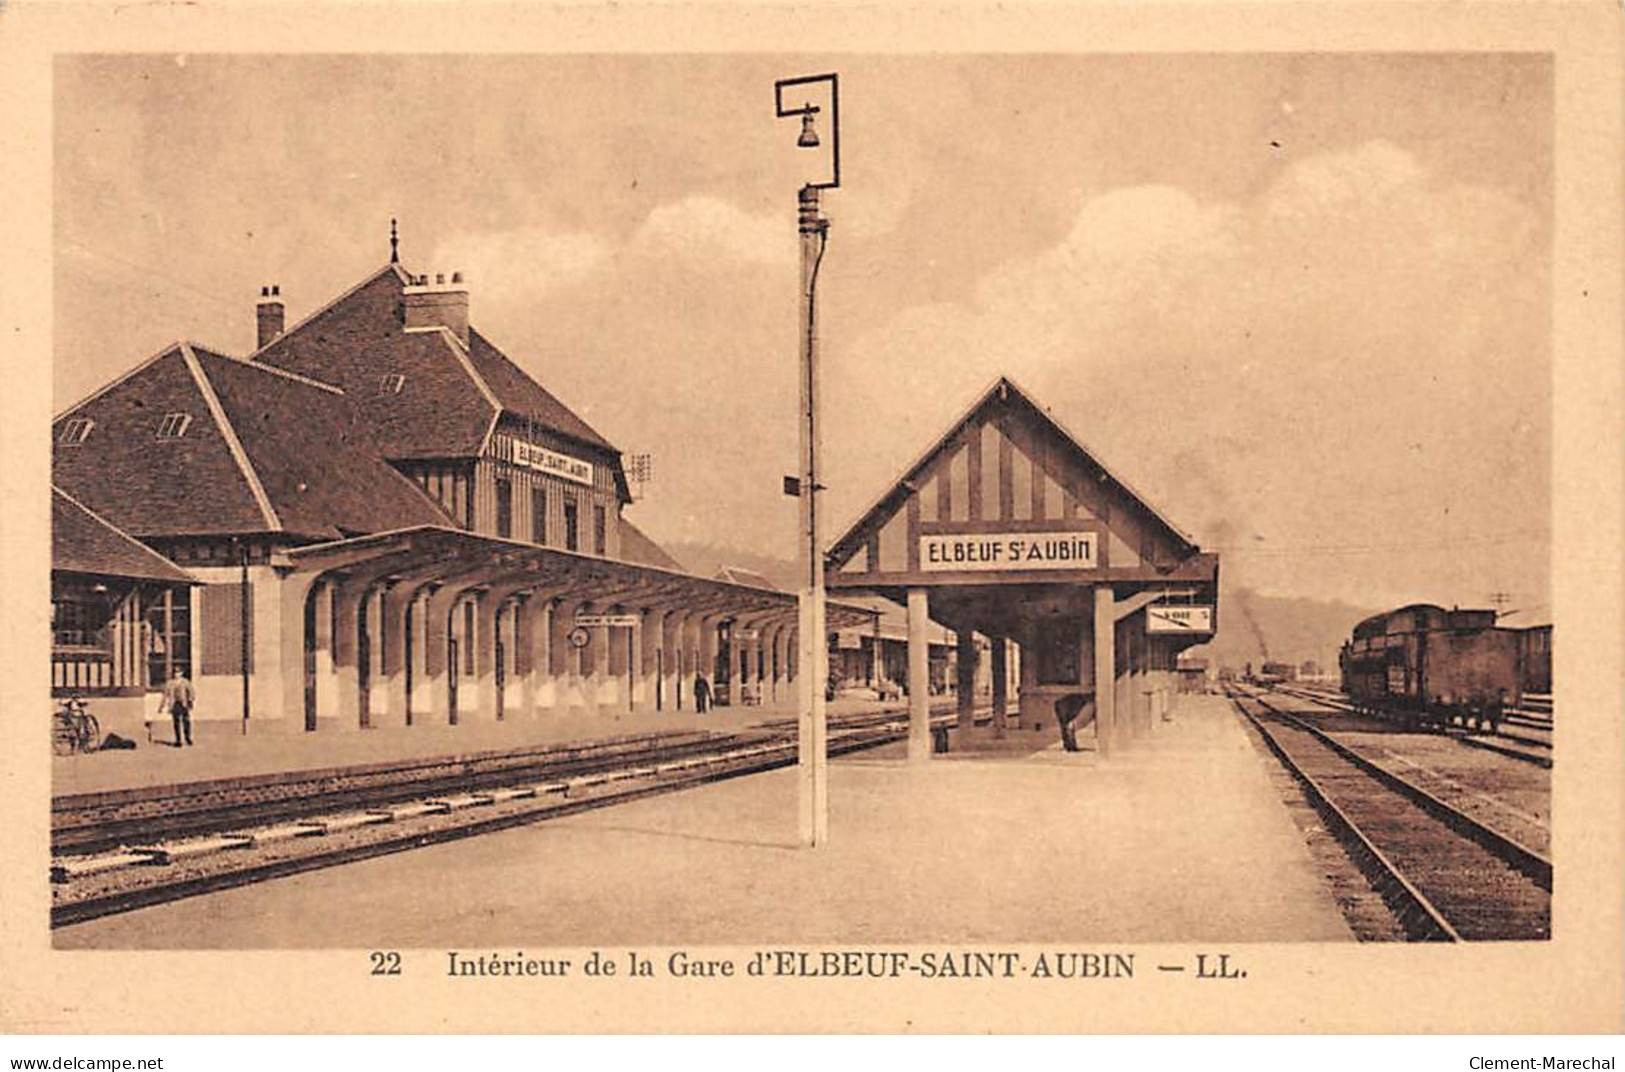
(442,555)
(84,542)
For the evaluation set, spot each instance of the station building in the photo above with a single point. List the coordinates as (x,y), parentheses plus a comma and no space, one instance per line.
(378,519)
(1007,528)
(114,604)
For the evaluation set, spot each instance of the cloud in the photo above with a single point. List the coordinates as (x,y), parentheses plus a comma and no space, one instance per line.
(708,229)
(1355,324)
(512,267)
(1335,181)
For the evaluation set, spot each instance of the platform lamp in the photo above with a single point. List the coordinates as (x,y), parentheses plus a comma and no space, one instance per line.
(812,656)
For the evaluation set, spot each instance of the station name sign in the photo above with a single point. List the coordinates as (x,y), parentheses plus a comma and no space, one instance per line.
(1180,619)
(551,461)
(613,621)
(993,551)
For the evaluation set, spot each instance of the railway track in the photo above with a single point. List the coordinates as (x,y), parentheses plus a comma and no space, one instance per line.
(98,822)
(408,806)
(1444,875)
(1529,741)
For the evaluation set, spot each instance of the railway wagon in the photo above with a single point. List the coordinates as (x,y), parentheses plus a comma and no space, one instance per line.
(1536,652)
(1277,672)
(1431,665)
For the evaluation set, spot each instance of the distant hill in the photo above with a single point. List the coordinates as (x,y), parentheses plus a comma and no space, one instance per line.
(1252,627)
(706,560)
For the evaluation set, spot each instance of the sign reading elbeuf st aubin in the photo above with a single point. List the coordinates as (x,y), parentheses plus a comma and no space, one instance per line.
(992,551)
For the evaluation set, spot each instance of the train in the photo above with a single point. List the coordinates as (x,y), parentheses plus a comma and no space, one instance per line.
(1274,673)
(1432,666)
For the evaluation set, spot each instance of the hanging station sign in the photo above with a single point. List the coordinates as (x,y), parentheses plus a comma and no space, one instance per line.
(995,551)
(552,462)
(1168,618)
(613,621)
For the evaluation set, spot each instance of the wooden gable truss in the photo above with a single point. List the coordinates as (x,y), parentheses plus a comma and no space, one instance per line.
(1007,465)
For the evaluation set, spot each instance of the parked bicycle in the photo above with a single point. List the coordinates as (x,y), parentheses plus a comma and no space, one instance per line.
(74,728)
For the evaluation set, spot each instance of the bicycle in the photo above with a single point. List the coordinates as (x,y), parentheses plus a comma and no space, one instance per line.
(73,728)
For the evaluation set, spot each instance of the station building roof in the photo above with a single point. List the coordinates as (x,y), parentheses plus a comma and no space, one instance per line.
(193,443)
(84,542)
(298,441)
(451,392)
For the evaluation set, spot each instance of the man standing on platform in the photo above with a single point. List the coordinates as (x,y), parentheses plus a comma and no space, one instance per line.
(178,699)
(702,694)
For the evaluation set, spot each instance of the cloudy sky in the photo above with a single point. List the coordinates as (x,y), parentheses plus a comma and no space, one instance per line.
(1302,302)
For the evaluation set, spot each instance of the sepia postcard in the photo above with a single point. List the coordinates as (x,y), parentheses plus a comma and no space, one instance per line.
(723,518)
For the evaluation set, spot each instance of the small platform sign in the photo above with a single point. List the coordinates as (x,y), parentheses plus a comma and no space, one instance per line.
(994,551)
(614,621)
(1178,619)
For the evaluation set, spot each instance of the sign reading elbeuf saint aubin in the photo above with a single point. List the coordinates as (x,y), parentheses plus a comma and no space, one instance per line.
(548,461)
(993,551)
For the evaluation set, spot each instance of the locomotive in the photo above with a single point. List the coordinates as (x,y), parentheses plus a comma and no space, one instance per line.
(1434,666)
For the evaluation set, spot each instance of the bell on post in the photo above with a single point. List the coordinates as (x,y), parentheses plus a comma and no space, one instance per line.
(809,136)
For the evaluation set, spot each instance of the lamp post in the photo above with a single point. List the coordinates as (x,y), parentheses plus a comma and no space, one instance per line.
(243,624)
(813,650)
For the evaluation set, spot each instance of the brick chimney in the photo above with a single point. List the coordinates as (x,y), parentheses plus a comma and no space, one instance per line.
(270,314)
(438,304)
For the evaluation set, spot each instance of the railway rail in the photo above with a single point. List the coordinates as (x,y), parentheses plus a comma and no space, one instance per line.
(232,835)
(97,822)
(1530,743)
(1444,875)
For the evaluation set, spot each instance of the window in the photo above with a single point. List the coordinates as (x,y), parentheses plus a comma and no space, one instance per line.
(168,635)
(79,616)
(504,507)
(174,425)
(75,431)
(538,515)
(391,384)
(600,530)
(570,541)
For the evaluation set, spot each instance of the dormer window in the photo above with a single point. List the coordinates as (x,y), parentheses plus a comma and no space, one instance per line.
(75,431)
(392,384)
(174,425)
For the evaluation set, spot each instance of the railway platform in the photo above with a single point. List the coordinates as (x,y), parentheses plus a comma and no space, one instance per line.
(223,751)
(1178,837)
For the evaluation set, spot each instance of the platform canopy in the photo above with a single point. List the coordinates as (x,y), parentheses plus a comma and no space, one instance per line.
(1009,497)
(434,554)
